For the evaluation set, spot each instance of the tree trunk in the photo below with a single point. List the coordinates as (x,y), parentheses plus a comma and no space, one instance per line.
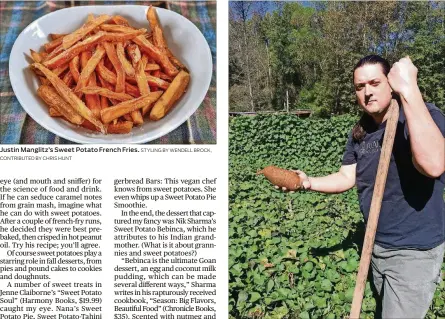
(287,101)
(248,67)
(364,25)
(269,76)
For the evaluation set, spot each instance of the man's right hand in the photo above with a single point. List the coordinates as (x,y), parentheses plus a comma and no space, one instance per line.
(305,183)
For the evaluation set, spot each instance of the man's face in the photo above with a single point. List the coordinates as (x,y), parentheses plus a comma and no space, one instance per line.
(372,89)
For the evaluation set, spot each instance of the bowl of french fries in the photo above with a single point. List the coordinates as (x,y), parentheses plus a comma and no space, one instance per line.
(111,74)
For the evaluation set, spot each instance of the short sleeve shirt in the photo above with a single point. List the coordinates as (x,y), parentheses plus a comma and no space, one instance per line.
(413,209)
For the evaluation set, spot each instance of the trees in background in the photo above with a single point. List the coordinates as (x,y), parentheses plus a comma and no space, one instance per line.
(300,55)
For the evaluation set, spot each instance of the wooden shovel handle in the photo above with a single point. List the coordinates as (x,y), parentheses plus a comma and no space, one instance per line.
(374,212)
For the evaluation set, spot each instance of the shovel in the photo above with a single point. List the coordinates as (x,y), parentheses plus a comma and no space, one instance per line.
(374,212)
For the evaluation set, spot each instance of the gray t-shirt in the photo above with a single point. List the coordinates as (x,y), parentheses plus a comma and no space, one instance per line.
(413,208)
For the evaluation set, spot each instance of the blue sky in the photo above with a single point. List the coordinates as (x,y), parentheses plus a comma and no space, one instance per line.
(270,6)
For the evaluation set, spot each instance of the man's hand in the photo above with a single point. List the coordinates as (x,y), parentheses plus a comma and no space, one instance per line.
(403,77)
(305,183)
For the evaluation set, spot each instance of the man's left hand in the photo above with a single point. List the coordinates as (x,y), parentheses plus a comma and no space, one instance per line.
(403,76)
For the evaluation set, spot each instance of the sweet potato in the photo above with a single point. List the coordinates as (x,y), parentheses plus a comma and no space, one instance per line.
(119,20)
(114,112)
(78,48)
(36,56)
(134,53)
(74,68)
(121,37)
(116,28)
(106,92)
(159,40)
(69,40)
(68,78)
(55,101)
(156,54)
(55,36)
(88,66)
(170,96)
(282,177)
(120,128)
(50,46)
(66,93)
(54,113)
(128,68)
(112,55)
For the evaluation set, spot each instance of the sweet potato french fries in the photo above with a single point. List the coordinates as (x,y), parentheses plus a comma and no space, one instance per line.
(107,75)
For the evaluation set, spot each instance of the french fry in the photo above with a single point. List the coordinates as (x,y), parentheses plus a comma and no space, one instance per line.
(106,92)
(116,28)
(110,87)
(120,128)
(141,78)
(44,81)
(50,96)
(126,117)
(159,40)
(137,117)
(112,55)
(74,68)
(120,20)
(85,56)
(67,55)
(103,102)
(114,112)
(128,68)
(93,100)
(35,56)
(108,64)
(105,73)
(88,125)
(60,69)
(90,18)
(88,69)
(152,67)
(164,76)
(70,39)
(170,96)
(53,54)
(132,90)
(152,17)
(70,97)
(144,89)
(50,46)
(156,54)
(54,113)
(158,82)
(121,37)
(55,36)
(110,77)
(68,78)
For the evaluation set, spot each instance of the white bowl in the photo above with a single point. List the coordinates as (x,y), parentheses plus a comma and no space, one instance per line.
(184,39)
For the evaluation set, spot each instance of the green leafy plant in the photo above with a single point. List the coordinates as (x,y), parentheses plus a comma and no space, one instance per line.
(294,255)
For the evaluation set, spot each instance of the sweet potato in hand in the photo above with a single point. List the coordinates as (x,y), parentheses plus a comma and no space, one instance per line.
(282,177)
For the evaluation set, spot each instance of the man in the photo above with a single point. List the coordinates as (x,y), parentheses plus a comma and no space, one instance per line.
(409,244)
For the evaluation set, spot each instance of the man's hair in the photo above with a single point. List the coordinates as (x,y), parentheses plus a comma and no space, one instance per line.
(366,122)
(374,59)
